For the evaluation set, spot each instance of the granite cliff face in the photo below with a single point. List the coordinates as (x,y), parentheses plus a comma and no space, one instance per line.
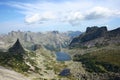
(95,36)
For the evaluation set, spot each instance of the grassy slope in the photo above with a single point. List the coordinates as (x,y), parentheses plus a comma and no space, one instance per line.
(16,62)
(101,60)
(107,55)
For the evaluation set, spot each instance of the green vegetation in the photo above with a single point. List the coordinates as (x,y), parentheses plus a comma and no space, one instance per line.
(102,60)
(14,61)
(30,58)
(100,45)
(14,58)
(78,46)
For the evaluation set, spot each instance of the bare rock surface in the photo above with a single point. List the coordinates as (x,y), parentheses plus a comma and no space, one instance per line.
(6,74)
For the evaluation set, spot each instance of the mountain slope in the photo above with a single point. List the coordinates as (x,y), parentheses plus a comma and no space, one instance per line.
(14,58)
(36,65)
(95,36)
(98,50)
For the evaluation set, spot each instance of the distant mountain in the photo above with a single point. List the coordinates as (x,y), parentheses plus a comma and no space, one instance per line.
(73,34)
(52,40)
(96,36)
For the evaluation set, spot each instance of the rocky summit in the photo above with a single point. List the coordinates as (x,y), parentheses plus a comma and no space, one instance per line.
(17,48)
(95,36)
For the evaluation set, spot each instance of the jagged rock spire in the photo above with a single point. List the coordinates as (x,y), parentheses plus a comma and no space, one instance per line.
(17,48)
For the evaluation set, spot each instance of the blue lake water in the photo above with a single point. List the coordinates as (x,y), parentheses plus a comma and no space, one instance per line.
(62,56)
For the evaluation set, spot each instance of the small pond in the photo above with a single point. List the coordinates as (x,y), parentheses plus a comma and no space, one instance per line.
(62,56)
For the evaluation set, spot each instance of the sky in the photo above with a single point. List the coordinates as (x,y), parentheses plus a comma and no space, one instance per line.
(61,15)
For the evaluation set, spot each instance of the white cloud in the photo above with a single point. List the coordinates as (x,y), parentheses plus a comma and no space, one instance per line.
(72,12)
(45,11)
(37,17)
(32,19)
(73,17)
(99,13)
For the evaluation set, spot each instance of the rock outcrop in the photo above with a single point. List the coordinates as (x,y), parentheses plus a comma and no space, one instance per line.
(17,48)
(96,36)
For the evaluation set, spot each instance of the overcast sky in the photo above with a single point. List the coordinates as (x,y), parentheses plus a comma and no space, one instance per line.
(61,15)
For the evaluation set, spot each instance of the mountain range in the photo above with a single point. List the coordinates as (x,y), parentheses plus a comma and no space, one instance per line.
(52,40)
(95,54)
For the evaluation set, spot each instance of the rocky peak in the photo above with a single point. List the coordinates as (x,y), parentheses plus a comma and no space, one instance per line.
(17,48)
(95,28)
(93,33)
(97,35)
(27,37)
(91,29)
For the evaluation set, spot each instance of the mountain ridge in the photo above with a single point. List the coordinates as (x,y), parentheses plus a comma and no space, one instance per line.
(52,40)
(96,36)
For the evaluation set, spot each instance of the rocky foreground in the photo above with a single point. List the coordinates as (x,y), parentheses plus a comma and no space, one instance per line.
(7,74)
